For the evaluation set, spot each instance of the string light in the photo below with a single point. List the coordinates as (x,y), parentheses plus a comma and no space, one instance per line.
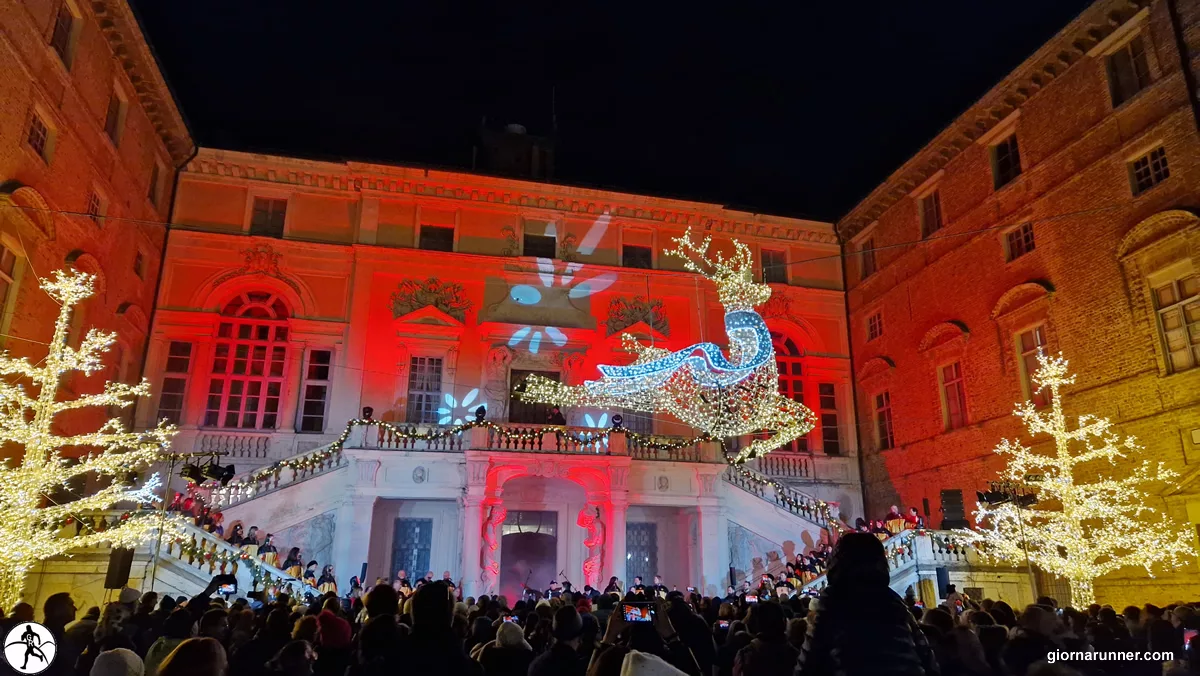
(29,527)
(1080,531)
(722,397)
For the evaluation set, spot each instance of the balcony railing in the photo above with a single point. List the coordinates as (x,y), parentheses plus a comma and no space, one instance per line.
(278,475)
(784,466)
(908,549)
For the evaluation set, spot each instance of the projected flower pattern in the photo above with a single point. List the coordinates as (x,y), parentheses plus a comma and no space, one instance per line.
(454,412)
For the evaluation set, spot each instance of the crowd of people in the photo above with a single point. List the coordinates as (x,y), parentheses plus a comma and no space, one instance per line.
(857,626)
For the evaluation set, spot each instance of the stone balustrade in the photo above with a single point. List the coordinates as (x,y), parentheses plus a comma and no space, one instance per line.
(917,551)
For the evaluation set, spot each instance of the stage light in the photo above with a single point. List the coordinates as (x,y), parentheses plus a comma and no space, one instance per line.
(192,473)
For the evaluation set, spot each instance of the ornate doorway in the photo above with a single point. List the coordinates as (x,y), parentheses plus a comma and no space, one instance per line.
(528,552)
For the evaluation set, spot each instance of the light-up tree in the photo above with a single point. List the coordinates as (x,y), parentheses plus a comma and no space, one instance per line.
(1079,530)
(34,476)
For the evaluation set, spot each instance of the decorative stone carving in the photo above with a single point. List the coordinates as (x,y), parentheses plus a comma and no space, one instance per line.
(512,245)
(367,471)
(708,484)
(778,306)
(477,472)
(412,295)
(624,312)
(589,519)
(499,359)
(260,259)
(489,567)
(568,248)
(572,367)
(664,483)
(419,475)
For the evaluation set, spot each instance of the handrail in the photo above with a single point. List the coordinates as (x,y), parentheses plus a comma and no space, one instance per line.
(906,548)
(270,478)
(199,548)
(799,503)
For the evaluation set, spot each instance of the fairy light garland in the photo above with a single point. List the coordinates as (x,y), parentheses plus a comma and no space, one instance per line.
(30,521)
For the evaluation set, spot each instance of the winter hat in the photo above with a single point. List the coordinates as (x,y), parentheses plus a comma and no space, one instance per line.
(129,595)
(567,623)
(335,632)
(118,662)
(509,635)
(644,664)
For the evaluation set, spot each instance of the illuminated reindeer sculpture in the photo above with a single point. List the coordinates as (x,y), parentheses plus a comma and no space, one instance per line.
(718,395)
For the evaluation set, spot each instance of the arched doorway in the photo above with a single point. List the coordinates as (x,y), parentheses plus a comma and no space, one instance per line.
(537,538)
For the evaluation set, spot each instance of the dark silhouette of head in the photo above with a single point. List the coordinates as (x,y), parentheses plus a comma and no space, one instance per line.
(858,560)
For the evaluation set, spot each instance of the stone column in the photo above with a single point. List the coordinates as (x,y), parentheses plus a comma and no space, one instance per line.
(352,537)
(713,549)
(615,559)
(472,547)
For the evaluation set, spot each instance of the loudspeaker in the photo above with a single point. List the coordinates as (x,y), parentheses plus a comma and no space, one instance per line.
(362,576)
(943,582)
(953,514)
(119,563)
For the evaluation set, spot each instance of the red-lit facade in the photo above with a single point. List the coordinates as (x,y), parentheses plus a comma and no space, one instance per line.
(1056,212)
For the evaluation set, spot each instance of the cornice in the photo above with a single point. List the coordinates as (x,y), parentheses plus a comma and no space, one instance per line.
(384,181)
(129,46)
(1062,51)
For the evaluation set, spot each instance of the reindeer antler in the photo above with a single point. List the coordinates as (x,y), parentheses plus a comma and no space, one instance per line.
(734,276)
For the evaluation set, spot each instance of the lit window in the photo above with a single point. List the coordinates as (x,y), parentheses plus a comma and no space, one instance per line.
(791,382)
(424,389)
(1128,71)
(1149,170)
(874,326)
(883,421)
(39,137)
(114,120)
(532,412)
(63,37)
(774,267)
(248,363)
(1018,241)
(8,274)
(830,439)
(954,397)
(633,256)
(540,246)
(866,254)
(315,391)
(267,217)
(1029,342)
(1178,305)
(930,208)
(1006,162)
(96,208)
(436,238)
(174,382)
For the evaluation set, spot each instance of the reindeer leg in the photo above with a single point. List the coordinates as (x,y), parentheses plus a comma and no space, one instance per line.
(789,423)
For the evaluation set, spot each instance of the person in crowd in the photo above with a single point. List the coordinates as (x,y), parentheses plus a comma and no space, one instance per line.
(294,659)
(58,613)
(893,513)
(275,633)
(117,662)
(214,624)
(637,587)
(913,519)
(267,553)
(110,634)
(235,535)
(858,609)
(176,629)
(196,657)
(563,658)
(614,585)
(432,647)
(144,625)
(334,654)
(509,655)
(555,417)
(769,653)
(310,574)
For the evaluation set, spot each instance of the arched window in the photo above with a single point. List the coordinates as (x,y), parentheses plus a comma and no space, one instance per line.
(791,379)
(249,362)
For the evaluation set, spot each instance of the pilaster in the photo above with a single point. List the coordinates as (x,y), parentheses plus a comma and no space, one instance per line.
(352,536)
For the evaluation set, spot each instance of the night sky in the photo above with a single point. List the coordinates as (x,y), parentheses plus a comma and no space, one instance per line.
(797,108)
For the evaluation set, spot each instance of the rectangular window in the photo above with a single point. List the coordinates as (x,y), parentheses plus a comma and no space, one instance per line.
(866,257)
(1178,305)
(637,421)
(63,37)
(954,397)
(633,256)
(315,391)
(114,120)
(436,238)
(930,208)
(8,273)
(1128,71)
(174,382)
(247,375)
(139,265)
(830,439)
(1028,343)
(883,421)
(540,246)
(528,412)
(791,385)
(424,389)
(96,208)
(1018,241)
(774,267)
(154,194)
(1006,162)
(1149,170)
(267,218)
(874,326)
(39,137)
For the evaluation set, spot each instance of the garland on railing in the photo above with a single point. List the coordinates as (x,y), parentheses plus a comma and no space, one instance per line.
(220,558)
(820,507)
